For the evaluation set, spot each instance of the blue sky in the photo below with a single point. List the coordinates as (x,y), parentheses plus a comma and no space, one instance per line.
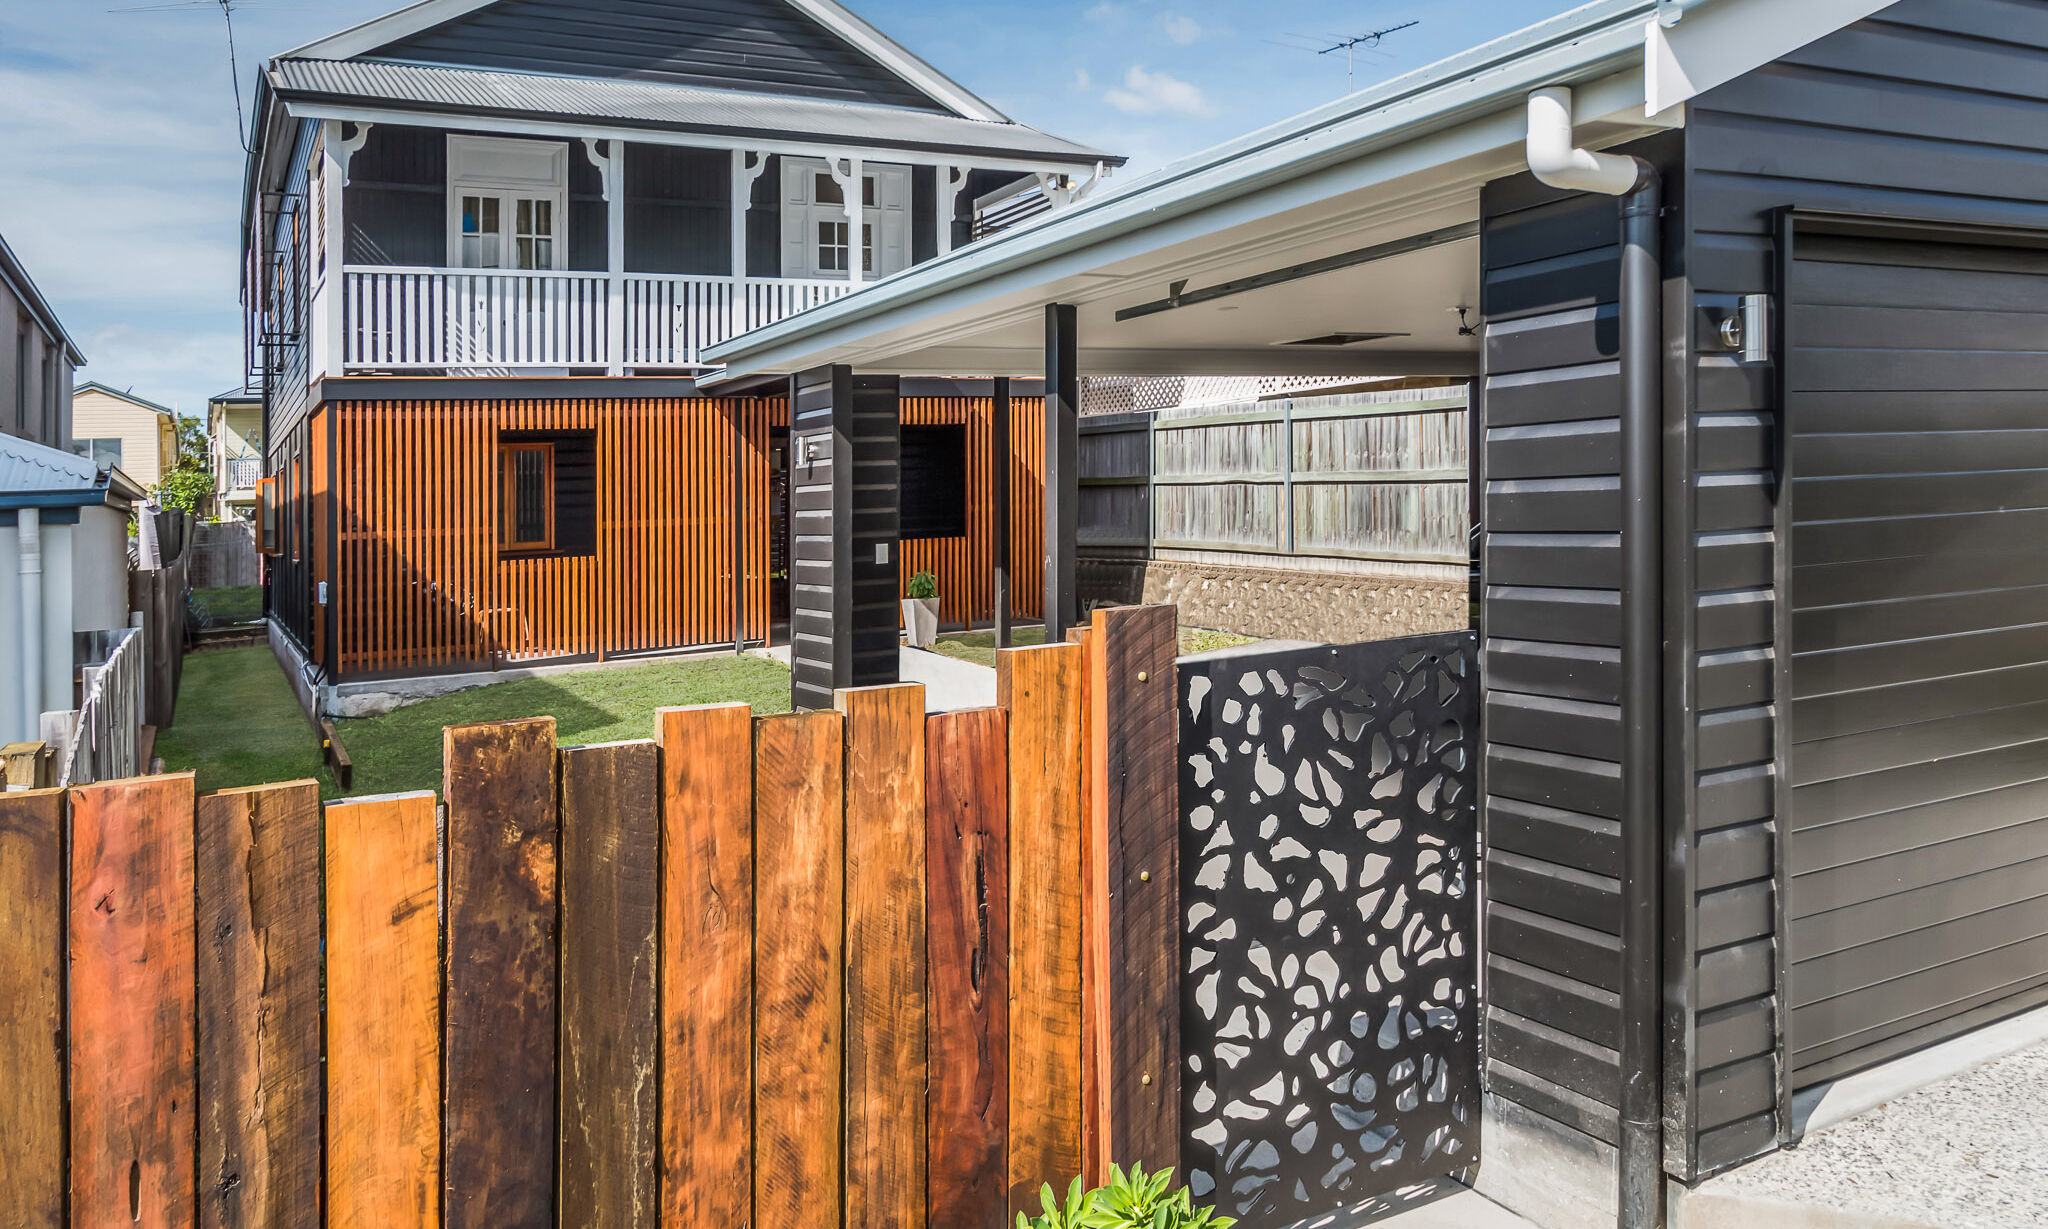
(120,165)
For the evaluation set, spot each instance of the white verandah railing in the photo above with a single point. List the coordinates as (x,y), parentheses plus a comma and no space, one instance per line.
(412,318)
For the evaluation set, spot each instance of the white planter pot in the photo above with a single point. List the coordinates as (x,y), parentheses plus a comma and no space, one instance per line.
(921,621)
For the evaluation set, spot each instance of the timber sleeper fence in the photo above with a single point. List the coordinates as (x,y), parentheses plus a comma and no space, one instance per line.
(844,968)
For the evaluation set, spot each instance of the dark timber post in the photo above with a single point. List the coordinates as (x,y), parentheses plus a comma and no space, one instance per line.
(1062,469)
(845,440)
(999,500)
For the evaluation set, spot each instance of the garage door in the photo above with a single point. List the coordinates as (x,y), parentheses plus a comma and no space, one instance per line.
(1919,672)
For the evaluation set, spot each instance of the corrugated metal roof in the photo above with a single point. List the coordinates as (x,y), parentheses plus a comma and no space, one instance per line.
(27,467)
(679,108)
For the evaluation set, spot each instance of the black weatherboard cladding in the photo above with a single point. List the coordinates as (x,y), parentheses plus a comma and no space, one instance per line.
(1937,109)
(730,44)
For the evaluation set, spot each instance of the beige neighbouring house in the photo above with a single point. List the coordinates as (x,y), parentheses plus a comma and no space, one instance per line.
(137,437)
(234,431)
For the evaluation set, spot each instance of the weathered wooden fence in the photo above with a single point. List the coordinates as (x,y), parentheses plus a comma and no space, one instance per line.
(224,555)
(861,967)
(106,741)
(1368,477)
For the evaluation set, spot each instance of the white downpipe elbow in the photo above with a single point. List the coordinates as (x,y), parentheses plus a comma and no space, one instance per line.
(1557,160)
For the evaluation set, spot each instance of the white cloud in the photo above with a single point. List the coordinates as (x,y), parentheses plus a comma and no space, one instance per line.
(1082,81)
(1105,11)
(1149,93)
(1180,28)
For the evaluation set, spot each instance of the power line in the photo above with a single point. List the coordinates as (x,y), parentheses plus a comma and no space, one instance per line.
(1350,46)
(227,12)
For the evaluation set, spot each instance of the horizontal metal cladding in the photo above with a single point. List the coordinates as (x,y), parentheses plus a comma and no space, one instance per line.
(1878,846)
(762,45)
(1552,614)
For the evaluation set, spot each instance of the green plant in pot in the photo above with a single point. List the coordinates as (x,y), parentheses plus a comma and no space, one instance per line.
(1134,1200)
(921,610)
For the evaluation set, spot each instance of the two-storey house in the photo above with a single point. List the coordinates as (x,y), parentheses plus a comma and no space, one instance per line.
(37,360)
(487,242)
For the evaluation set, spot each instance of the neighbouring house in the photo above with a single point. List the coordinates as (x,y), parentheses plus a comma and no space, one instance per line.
(1754,301)
(234,431)
(37,360)
(63,570)
(487,244)
(119,430)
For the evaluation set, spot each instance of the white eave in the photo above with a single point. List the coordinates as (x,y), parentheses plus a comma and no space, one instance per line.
(1392,161)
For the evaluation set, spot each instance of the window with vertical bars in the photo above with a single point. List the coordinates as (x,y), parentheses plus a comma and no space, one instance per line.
(529,496)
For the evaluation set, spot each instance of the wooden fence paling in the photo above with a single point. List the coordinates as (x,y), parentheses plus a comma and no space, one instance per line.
(383,1015)
(1096,1007)
(1134,780)
(886,1069)
(258,889)
(32,1023)
(707,964)
(133,1138)
(799,855)
(1042,689)
(499,1116)
(610,1039)
(967,876)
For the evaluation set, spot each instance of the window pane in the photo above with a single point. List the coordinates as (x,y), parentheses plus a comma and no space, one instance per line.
(472,251)
(472,208)
(543,217)
(526,254)
(543,254)
(867,189)
(529,495)
(827,190)
(867,249)
(490,211)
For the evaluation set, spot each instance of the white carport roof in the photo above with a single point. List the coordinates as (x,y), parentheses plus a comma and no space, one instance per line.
(1397,167)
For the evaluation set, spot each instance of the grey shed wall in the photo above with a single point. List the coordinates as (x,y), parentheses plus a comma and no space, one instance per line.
(1936,109)
(728,44)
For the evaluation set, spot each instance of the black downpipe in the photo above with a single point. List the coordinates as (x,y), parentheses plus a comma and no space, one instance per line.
(1642,679)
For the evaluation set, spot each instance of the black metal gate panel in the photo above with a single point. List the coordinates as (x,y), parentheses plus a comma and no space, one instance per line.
(1329,1004)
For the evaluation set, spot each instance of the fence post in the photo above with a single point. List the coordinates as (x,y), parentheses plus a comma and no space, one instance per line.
(32,968)
(1132,912)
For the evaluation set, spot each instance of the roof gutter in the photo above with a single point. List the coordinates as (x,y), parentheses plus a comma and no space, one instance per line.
(1556,160)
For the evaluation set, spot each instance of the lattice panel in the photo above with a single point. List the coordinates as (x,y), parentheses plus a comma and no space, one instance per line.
(1330,1007)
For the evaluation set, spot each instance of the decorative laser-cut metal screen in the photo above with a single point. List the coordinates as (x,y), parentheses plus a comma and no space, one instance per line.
(1329,1011)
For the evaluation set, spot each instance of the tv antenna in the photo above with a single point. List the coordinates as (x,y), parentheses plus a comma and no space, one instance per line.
(227,12)
(1350,46)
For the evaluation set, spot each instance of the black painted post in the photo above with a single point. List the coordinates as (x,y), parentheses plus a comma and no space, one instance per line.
(999,500)
(1062,469)
(845,439)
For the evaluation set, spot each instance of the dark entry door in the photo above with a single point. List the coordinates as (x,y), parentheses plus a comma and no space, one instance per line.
(1917,396)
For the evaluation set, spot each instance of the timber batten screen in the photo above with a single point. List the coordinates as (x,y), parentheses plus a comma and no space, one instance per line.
(423,583)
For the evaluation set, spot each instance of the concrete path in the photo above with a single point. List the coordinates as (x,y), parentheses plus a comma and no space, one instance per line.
(1970,1152)
(1443,1204)
(949,683)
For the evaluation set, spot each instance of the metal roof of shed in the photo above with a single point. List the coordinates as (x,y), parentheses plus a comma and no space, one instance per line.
(457,92)
(35,475)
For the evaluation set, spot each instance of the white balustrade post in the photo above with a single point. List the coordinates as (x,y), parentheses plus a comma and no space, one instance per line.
(746,168)
(952,179)
(328,317)
(611,166)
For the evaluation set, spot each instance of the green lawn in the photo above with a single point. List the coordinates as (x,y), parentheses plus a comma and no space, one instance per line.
(241,604)
(980,647)
(239,725)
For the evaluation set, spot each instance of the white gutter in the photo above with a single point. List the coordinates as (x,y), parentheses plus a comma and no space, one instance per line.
(1556,159)
(29,536)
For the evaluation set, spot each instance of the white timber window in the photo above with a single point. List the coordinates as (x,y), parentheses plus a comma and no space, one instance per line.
(508,203)
(819,238)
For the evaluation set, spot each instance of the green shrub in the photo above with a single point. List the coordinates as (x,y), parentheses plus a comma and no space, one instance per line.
(1136,1200)
(923,585)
